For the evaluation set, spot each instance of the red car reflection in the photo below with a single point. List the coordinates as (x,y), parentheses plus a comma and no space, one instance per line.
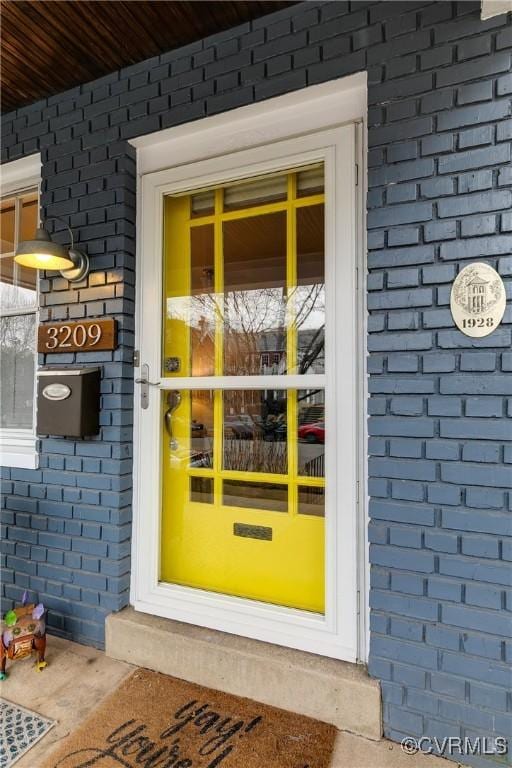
(312,433)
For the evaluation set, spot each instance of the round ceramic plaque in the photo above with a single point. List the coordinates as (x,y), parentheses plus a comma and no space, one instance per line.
(477,300)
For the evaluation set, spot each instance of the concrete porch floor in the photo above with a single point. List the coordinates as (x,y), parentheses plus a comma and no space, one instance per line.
(78,677)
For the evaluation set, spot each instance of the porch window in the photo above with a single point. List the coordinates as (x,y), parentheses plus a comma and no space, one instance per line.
(18,321)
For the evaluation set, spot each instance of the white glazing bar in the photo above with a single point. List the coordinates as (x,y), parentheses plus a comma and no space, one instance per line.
(306,381)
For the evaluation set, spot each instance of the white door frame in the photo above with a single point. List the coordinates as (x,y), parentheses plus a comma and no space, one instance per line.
(248,141)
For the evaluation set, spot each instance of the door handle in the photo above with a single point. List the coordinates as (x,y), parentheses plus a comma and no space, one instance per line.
(173,401)
(145,384)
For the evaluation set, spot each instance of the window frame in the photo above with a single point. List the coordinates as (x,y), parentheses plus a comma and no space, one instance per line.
(18,447)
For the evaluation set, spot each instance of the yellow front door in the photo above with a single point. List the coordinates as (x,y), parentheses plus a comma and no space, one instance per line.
(243,450)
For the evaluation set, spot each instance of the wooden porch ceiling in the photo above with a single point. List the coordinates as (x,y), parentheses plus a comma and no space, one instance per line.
(49,46)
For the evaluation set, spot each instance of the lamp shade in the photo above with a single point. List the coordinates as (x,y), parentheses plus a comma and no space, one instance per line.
(42,253)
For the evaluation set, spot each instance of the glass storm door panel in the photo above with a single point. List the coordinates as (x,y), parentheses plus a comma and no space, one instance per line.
(243,449)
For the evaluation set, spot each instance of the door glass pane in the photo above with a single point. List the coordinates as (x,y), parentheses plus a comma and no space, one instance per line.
(201,427)
(203,301)
(189,427)
(310,181)
(255,431)
(17,355)
(311,501)
(189,298)
(255,495)
(202,204)
(310,293)
(255,295)
(259,191)
(201,490)
(311,432)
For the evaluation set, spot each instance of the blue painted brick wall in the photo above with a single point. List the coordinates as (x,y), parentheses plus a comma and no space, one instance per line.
(440,407)
(67,535)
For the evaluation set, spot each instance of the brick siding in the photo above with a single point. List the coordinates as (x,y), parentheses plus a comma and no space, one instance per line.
(440,458)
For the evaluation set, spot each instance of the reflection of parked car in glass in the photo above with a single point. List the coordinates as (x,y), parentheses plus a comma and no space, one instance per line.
(238,429)
(312,433)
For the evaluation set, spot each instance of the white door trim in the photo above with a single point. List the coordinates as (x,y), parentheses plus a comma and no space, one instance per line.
(338,633)
(298,113)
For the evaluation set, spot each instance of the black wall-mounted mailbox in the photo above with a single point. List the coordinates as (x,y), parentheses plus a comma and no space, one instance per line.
(68,402)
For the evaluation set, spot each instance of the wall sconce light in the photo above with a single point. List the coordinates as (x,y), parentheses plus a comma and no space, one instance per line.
(43,253)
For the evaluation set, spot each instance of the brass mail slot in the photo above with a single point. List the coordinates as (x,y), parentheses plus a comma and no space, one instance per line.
(252,531)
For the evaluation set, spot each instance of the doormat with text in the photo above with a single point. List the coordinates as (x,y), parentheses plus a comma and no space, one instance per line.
(155,721)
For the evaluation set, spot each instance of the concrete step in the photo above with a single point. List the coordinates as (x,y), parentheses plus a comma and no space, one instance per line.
(333,691)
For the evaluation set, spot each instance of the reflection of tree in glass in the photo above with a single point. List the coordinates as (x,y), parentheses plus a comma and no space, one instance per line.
(310,322)
(17,341)
(16,334)
(16,296)
(255,322)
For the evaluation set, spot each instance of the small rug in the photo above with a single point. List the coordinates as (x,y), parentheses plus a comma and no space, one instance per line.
(20,729)
(155,721)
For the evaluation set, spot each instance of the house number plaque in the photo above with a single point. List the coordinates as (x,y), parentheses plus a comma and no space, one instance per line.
(83,336)
(477,300)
